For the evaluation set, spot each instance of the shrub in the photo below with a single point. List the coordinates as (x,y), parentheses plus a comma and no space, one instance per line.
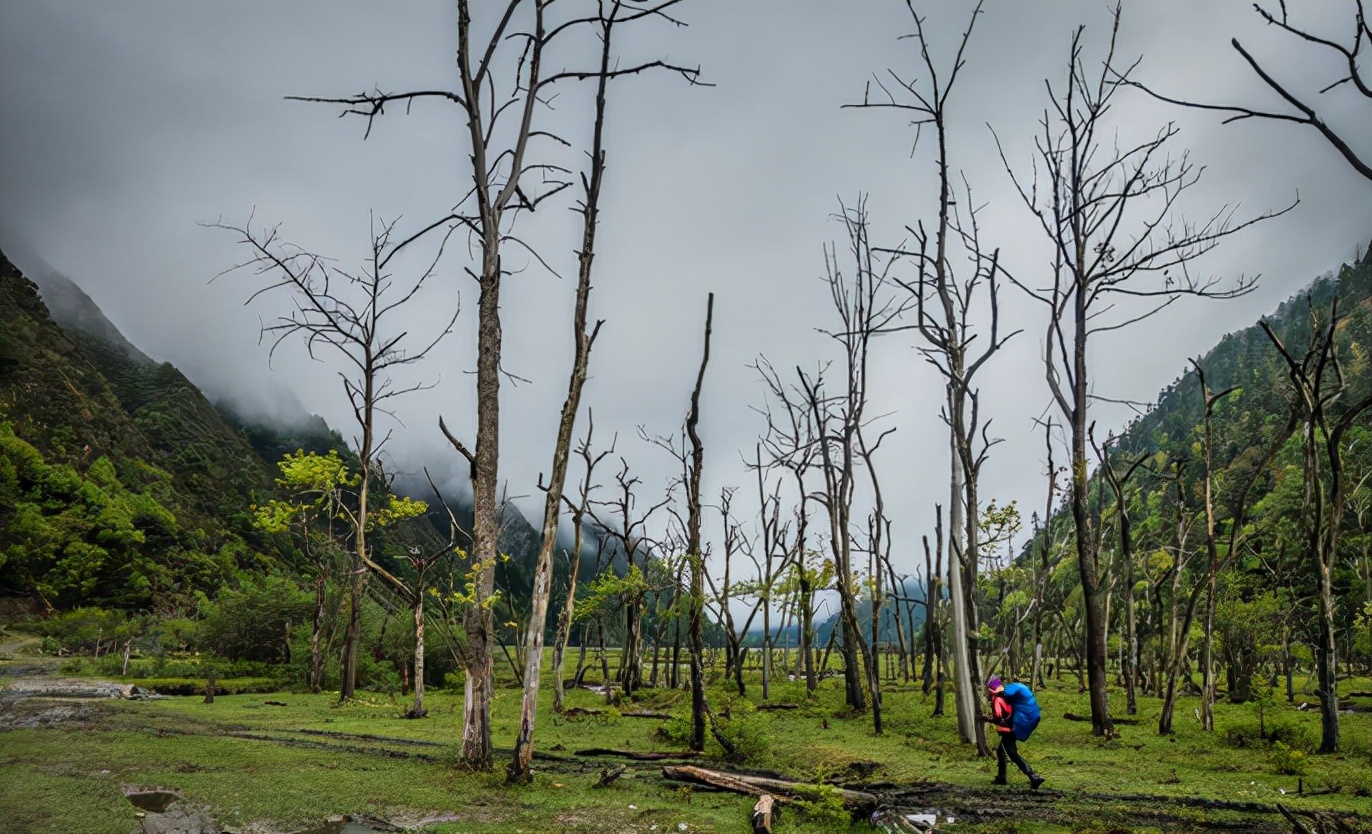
(675,731)
(823,805)
(745,729)
(1288,760)
(1292,735)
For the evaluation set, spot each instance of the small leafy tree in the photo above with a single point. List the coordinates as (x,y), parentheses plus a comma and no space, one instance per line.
(323,511)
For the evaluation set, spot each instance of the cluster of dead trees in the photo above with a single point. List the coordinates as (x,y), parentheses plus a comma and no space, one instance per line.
(1107,208)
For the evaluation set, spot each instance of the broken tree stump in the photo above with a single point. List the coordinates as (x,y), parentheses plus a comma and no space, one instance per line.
(762,814)
(609,774)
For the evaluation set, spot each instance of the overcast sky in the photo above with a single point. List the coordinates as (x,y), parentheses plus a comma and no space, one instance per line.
(126,125)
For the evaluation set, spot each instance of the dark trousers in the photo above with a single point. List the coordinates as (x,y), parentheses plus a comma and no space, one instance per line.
(1007,750)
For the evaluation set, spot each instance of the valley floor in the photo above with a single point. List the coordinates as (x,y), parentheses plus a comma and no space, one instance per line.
(289,762)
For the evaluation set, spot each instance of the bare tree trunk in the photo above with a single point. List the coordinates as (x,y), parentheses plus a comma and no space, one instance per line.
(581,356)
(418,709)
(694,552)
(316,631)
(351,635)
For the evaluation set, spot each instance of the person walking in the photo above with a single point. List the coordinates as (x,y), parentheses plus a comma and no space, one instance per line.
(1002,717)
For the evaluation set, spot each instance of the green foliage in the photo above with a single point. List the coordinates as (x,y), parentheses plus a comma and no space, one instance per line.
(76,536)
(745,729)
(79,629)
(250,619)
(823,805)
(1288,760)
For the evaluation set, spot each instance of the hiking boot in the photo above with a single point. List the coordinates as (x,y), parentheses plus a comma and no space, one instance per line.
(1035,780)
(999,780)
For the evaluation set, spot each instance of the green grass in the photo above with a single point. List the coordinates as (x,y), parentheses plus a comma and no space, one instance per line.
(67,778)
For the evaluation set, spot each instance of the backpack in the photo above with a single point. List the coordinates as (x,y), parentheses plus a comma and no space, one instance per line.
(1026,716)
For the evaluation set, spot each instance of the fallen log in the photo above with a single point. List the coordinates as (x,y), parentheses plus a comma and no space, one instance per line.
(637,756)
(766,707)
(1128,722)
(762,814)
(783,790)
(1314,822)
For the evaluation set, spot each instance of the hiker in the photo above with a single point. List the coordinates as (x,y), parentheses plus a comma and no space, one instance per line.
(1003,717)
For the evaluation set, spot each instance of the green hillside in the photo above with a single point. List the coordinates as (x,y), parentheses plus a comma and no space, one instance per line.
(1264,614)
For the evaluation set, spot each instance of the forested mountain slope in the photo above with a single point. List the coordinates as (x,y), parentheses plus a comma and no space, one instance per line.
(1226,544)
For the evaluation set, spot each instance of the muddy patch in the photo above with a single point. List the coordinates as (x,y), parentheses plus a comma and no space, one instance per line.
(34,713)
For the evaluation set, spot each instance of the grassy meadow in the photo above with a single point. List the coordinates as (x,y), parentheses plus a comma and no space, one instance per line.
(285,761)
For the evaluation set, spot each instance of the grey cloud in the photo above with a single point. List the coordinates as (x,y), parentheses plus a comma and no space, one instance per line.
(127,123)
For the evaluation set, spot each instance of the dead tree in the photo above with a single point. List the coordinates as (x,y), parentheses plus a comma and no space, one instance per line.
(624,524)
(943,302)
(728,590)
(864,312)
(1109,213)
(1319,388)
(503,133)
(792,444)
(578,512)
(775,559)
(1117,481)
(694,552)
(1301,110)
(349,317)
(582,343)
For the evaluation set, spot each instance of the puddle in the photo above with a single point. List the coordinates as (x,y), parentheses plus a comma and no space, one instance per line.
(897,822)
(153,800)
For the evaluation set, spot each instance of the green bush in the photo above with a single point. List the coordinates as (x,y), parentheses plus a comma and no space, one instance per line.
(745,729)
(675,731)
(1292,735)
(823,805)
(1288,760)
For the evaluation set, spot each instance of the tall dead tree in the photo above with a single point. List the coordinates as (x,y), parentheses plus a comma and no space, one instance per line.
(944,302)
(350,317)
(773,564)
(694,552)
(582,343)
(1117,481)
(1108,209)
(503,132)
(864,309)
